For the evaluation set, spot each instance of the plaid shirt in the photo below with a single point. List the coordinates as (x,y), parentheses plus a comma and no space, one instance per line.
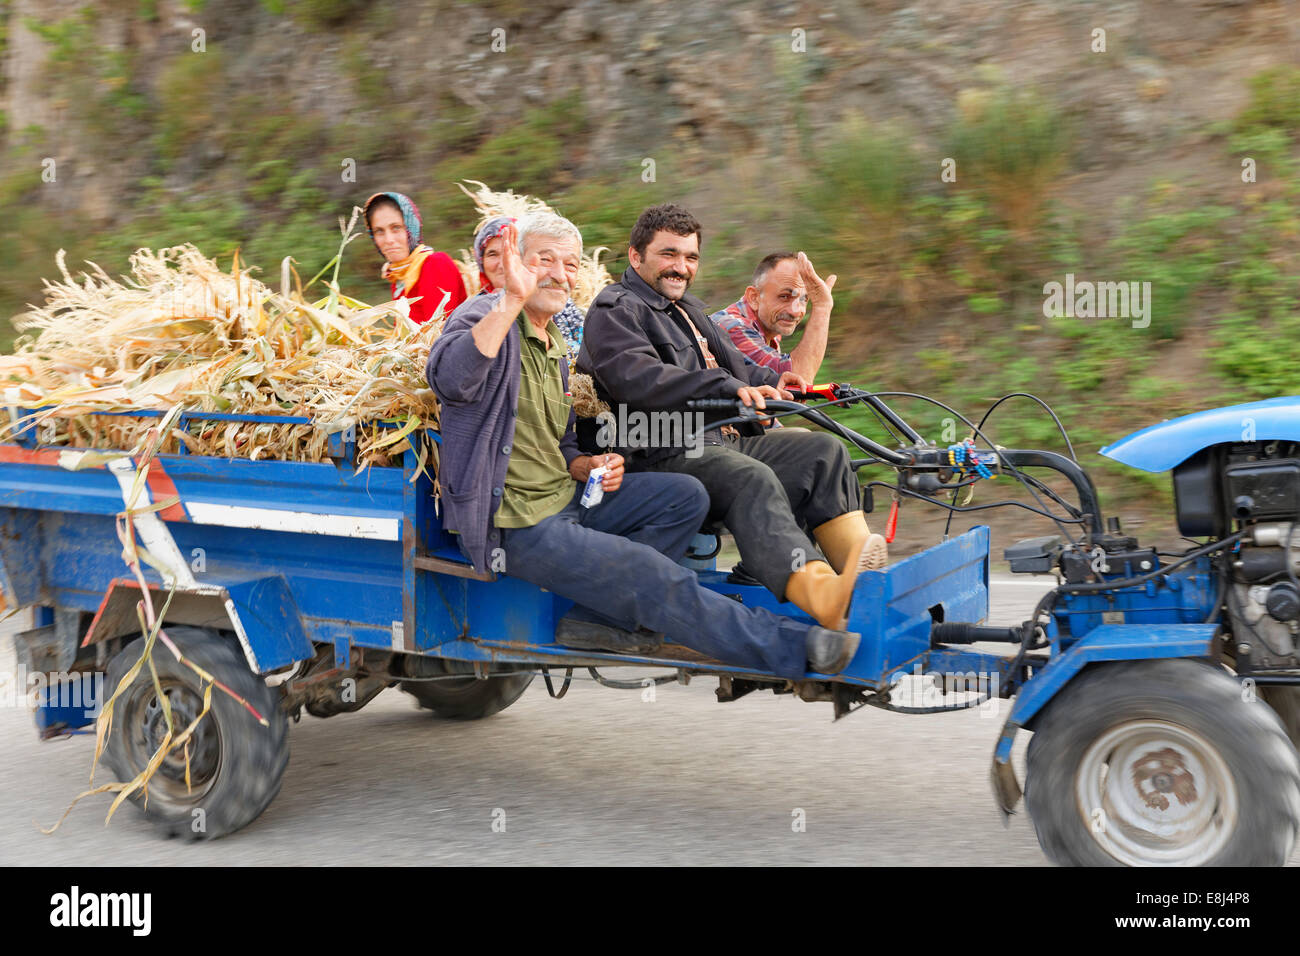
(747,335)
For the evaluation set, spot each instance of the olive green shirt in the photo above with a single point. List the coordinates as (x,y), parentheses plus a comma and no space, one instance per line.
(538,483)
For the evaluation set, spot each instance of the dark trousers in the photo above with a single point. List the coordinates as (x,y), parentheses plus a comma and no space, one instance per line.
(770,491)
(620,558)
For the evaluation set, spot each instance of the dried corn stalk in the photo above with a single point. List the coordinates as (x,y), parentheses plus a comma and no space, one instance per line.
(180,330)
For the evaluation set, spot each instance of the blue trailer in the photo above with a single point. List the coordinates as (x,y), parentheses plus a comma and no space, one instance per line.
(314,586)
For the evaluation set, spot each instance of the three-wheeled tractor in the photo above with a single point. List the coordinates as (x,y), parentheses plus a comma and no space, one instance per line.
(1152,682)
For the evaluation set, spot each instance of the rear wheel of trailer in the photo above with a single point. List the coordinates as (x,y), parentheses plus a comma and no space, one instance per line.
(468,698)
(234,764)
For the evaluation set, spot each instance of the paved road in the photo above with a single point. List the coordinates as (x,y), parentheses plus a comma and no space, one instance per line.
(600,777)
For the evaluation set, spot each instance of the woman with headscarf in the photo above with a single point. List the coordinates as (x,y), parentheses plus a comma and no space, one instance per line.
(491,275)
(413,269)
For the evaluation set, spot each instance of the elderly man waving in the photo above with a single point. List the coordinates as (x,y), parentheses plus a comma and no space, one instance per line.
(512,479)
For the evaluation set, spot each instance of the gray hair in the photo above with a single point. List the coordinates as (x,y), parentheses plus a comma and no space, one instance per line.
(549,226)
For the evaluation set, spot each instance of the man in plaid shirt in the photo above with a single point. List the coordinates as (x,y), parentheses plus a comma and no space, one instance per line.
(785,287)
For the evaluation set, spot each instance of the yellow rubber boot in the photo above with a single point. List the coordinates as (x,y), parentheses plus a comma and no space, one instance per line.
(823,594)
(847,535)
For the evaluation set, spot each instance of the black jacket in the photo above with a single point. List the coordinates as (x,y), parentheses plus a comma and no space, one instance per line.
(641,353)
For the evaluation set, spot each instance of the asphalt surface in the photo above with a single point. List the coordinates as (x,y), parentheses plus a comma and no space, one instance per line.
(600,777)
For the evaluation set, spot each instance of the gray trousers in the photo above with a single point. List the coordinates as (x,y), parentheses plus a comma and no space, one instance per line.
(770,491)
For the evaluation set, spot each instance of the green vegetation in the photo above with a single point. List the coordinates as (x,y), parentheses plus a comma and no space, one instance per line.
(1274,100)
(96,84)
(1177,249)
(864,183)
(5,13)
(535,154)
(318,14)
(191,99)
(1011,145)
(1222,269)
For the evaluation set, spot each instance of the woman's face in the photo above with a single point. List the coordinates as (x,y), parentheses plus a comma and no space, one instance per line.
(390,233)
(493,267)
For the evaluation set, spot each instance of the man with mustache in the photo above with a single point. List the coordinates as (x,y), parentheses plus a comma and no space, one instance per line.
(784,288)
(512,480)
(650,347)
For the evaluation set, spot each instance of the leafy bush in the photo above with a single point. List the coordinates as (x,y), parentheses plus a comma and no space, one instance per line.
(1274,100)
(192,100)
(856,219)
(98,83)
(1257,356)
(1177,247)
(318,14)
(529,156)
(1012,145)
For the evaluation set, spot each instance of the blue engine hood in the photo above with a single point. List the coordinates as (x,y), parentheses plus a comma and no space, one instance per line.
(1172,442)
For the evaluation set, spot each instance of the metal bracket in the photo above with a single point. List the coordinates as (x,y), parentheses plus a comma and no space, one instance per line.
(564,688)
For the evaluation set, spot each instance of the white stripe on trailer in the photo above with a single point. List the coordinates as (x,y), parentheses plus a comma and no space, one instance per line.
(303,522)
(157,538)
(244,642)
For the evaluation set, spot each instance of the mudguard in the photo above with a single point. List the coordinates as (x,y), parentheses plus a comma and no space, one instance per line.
(1170,443)
(1110,642)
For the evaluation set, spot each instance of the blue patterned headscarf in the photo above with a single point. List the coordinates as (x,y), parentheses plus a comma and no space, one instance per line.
(410,218)
(569,321)
(488,231)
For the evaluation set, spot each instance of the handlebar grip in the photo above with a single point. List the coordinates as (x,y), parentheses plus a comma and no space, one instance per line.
(709,404)
(827,393)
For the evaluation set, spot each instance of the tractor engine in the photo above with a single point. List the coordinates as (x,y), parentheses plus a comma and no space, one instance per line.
(1254,487)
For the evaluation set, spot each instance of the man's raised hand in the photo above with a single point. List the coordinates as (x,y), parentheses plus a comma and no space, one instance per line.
(819,289)
(520,281)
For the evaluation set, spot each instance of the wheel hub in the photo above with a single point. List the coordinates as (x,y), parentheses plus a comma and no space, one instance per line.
(204,745)
(1154,792)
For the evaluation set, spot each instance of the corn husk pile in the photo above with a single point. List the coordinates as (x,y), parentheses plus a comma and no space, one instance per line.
(181,331)
(592,276)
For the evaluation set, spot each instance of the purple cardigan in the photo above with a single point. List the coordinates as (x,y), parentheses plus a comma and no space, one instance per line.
(478,396)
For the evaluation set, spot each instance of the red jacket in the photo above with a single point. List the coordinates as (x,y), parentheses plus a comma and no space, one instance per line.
(438,276)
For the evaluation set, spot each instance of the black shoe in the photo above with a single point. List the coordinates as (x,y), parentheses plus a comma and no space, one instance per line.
(590,636)
(739,575)
(829,652)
